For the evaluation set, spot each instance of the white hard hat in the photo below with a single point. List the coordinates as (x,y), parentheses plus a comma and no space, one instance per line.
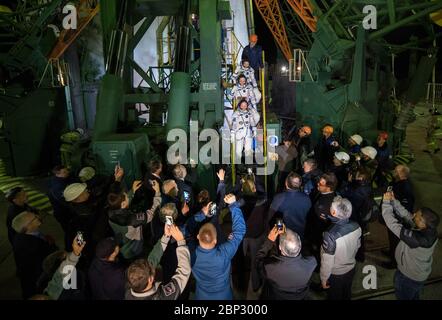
(73,191)
(369,152)
(86,174)
(342,156)
(356,138)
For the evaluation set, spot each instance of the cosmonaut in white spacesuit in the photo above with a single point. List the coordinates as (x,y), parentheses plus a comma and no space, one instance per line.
(244,122)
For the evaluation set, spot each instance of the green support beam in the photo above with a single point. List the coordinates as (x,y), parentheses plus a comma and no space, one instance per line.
(143,74)
(391,11)
(390,28)
(109,104)
(140,33)
(210,88)
(179,101)
(386,11)
(109,19)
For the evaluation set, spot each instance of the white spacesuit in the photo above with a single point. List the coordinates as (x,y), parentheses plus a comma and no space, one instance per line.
(249,73)
(244,91)
(243,130)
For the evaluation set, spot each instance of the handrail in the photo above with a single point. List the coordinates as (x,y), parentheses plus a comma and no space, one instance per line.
(264,121)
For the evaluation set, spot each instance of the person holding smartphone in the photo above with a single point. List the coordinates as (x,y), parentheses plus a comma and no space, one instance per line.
(185,191)
(212,261)
(286,275)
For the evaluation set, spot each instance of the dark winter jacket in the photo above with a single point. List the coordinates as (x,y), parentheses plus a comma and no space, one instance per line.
(284,278)
(254,55)
(107,280)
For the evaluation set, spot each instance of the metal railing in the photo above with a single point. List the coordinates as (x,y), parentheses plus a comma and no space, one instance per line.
(434,94)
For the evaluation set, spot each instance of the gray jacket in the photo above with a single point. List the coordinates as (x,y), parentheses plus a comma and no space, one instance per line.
(341,242)
(173,289)
(65,274)
(414,253)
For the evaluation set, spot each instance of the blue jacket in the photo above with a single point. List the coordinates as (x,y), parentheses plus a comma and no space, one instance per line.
(254,55)
(294,206)
(211,268)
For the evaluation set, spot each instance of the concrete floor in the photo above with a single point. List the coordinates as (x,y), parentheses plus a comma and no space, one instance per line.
(426,174)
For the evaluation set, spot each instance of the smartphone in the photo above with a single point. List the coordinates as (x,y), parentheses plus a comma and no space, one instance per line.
(249,171)
(390,189)
(279,224)
(80,238)
(212,210)
(186,196)
(169,220)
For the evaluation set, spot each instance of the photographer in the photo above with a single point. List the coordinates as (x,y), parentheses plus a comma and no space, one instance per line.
(141,273)
(414,254)
(212,261)
(55,288)
(127,225)
(286,276)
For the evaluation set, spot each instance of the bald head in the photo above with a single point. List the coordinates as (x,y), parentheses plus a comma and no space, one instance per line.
(170,188)
(26,222)
(207,236)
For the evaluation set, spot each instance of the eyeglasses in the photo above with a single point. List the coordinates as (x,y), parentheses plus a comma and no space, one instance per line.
(36,217)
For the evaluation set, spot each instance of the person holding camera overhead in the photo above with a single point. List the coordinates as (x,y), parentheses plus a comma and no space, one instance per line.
(128,226)
(284,275)
(211,262)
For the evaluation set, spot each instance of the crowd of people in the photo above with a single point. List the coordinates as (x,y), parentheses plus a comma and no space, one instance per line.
(164,238)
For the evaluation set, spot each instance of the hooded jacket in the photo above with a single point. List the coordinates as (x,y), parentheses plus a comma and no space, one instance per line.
(414,253)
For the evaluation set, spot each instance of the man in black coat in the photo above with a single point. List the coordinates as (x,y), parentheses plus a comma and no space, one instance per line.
(59,181)
(318,219)
(360,193)
(31,247)
(18,198)
(106,275)
(286,276)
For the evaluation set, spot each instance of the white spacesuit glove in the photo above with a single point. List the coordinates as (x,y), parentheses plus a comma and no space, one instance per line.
(254,132)
(232,136)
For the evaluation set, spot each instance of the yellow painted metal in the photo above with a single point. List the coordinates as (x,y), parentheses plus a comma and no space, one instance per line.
(271,13)
(67,37)
(304,9)
(264,119)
